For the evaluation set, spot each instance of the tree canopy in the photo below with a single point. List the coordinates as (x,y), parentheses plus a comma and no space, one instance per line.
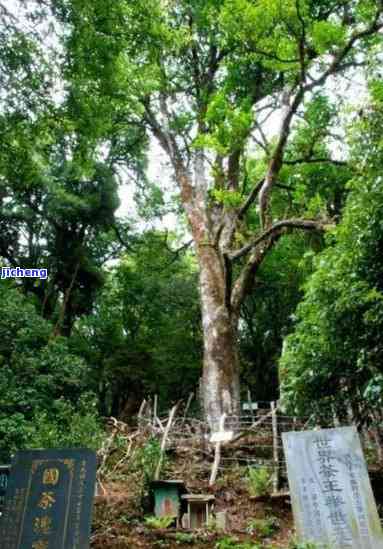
(273,180)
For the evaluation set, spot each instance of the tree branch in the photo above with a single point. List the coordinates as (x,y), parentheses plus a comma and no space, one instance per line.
(277,158)
(268,239)
(305,224)
(168,143)
(250,199)
(336,65)
(121,240)
(296,161)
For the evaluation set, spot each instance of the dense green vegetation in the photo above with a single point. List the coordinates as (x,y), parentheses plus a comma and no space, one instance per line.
(45,398)
(333,359)
(86,88)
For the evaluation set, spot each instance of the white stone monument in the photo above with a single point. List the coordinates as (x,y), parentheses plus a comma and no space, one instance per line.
(331,495)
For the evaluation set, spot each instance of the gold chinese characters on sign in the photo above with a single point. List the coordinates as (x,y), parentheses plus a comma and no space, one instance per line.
(41,544)
(51,476)
(42,525)
(47,499)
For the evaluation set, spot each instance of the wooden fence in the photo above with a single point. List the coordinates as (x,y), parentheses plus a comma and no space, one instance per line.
(254,439)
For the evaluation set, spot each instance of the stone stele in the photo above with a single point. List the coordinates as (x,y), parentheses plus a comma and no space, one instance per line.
(331,495)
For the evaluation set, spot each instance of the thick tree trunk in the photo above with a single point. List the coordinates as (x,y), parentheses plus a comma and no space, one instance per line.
(221,388)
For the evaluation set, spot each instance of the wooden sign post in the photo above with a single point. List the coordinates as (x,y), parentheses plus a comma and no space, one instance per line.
(330,490)
(49,500)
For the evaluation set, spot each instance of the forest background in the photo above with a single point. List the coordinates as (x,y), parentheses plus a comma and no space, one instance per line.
(119,317)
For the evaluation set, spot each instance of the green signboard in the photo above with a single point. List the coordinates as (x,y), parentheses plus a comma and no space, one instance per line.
(4,475)
(49,500)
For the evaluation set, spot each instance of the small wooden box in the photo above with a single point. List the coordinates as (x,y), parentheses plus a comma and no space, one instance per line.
(167,497)
(199,510)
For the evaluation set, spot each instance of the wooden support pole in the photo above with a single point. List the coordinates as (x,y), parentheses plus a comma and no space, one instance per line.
(200,395)
(274,421)
(141,413)
(155,407)
(164,439)
(217,453)
(250,402)
(335,417)
(189,401)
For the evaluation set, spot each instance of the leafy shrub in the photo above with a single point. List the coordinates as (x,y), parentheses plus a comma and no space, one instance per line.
(302,545)
(42,384)
(159,522)
(146,460)
(259,481)
(184,537)
(70,427)
(263,527)
(233,543)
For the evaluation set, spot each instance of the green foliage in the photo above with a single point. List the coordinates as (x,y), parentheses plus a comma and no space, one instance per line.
(264,528)
(327,34)
(42,384)
(67,426)
(145,334)
(229,542)
(63,209)
(267,314)
(336,347)
(60,147)
(259,481)
(302,545)
(146,460)
(79,110)
(229,124)
(183,537)
(159,523)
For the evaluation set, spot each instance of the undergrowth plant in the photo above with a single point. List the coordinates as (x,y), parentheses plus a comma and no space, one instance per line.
(259,481)
(146,460)
(184,537)
(234,543)
(264,528)
(295,544)
(159,523)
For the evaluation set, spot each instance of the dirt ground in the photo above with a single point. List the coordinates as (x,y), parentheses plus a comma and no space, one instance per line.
(119,521)
(119,516)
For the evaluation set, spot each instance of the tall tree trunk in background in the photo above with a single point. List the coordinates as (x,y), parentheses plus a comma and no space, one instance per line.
(221,387)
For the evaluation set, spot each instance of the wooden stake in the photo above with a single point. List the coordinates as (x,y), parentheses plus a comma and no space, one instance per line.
(164,439)
(217,453)
(189,401)
(155,406)
(200,393)
(249,400)
(141,413)
(274,420)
